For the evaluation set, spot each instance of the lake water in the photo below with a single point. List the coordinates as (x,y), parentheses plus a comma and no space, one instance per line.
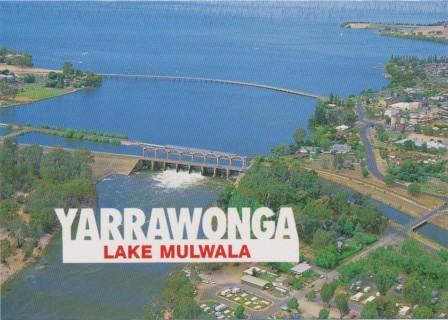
(105,291)
(294,45)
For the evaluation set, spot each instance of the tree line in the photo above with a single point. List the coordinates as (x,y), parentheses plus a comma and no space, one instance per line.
(34,183)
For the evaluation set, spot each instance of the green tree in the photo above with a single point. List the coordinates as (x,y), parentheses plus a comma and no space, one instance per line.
(416,292)
(327,257)
(239,312)
(299,134)
(323,238)
(423,312)
(384,281)
(414,189)
(281,150)
(324,313)
(389,179)
(6,250)
(67,68)
(293,304)
(342,304)
(8,211)
(29,78)
(369,311)
(364,172)
(386,306)
(178,296)
(327,291)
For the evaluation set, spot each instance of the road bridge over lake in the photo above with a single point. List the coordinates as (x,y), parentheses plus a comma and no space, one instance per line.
(213,80)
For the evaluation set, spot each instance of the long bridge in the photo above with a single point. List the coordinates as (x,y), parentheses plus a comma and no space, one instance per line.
(213,80)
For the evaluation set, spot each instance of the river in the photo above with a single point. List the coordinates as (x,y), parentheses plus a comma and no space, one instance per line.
(296,45)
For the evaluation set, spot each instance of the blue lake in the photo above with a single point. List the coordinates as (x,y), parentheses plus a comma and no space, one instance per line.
(297,45)
(294,45)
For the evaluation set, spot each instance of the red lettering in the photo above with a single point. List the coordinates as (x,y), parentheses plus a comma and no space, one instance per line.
(132,252)
(120,253)
(220,252)
(106,253)
(244,251)
(207,251)
(147,252)
(193,254)
(167,253)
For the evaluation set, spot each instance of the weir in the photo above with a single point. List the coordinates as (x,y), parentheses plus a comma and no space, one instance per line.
(205,161)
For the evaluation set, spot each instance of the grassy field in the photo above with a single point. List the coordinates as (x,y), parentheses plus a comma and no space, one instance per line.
(36,91)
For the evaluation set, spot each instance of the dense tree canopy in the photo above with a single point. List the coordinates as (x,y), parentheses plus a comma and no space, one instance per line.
(39,182)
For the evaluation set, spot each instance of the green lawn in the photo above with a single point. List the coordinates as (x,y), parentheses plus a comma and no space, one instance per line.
(36,91)
(267,277)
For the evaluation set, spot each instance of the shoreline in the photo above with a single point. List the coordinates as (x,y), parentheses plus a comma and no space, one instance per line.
(17,263)
(104,166)
(38,71)
(24,103)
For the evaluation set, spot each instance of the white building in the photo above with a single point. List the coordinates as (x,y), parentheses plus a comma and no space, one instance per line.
(407,106)
(403,311)
(357,297)
(300,268)
(220,307)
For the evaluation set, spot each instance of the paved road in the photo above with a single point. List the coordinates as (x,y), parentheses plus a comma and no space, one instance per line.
(365,138)
(365,124)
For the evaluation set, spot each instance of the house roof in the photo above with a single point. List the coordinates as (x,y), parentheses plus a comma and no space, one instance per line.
(301,267)
(254,280)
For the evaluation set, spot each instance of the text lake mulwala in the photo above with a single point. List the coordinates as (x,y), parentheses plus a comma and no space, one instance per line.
(183,235)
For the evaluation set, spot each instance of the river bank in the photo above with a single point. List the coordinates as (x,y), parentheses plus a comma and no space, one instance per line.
(103,166)
(394,197)
(19,261)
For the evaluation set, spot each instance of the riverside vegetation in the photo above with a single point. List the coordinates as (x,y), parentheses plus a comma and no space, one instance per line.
(32,184)
(69,133)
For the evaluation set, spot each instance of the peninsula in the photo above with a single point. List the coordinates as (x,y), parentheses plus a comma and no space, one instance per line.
(21,82)
(437,32)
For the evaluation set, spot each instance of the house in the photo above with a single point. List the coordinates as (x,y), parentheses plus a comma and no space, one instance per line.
(255,282)
(356,297)
(347,164)
(282,290)
(7,77)
(253,271)
(342,128)
(407,106)
(369,299)
(300,268)
(225,292)
(236,290)
(280,282)
(403,311)
(392,112)
(305,150)
(220,307)
(340,148)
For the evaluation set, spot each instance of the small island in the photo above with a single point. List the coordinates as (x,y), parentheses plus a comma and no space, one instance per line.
(437,32)
(21,82)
